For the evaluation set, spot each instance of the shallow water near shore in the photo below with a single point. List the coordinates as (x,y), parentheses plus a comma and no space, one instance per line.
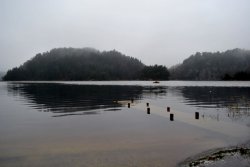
(90,124)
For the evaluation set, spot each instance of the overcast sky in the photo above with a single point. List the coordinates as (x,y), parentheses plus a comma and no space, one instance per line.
(154,31)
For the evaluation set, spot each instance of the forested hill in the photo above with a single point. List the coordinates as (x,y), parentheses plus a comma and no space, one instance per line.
(229,65)
(77,64)
(85,64)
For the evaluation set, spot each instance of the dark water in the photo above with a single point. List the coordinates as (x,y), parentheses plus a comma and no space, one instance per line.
(64,99)
(89,123)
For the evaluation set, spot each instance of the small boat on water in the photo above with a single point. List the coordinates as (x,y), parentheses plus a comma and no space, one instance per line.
(156,82)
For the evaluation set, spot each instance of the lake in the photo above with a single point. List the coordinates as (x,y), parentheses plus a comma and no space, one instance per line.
(90,124)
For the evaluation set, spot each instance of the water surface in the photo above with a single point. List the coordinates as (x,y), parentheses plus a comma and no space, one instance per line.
(89,123)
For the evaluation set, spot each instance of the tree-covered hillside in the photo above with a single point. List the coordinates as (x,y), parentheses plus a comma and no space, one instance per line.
(229,65)
(77,64)
(156,72)
(84,64)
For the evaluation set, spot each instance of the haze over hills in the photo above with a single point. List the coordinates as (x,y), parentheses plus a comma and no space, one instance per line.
(1,74)
(84,64)
(76,64)
(91,64)
(229,65)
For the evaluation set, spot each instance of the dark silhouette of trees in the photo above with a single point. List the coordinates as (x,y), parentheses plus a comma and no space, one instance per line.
(156,72)
(77,64)
(84,64)
(213,66)
(240,76)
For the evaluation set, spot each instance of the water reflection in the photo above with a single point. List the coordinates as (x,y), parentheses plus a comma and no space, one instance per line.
(67,100)
(217,97)
(236,100)
(156,91)
(126,136)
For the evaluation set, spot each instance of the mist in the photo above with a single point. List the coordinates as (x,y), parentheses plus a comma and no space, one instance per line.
(156,32)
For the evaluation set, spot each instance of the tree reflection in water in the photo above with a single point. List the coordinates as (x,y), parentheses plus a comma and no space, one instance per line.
(235,100)
(65,99)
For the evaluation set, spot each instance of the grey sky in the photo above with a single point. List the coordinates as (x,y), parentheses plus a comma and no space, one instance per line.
(154,31)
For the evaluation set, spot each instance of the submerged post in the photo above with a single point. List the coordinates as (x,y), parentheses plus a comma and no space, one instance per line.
(128,105)
(171,117)
(148,110)
(168,109)
(147,104)
(196,115)
(132,100)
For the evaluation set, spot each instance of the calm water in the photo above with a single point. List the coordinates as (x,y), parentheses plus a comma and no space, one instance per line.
(89,123)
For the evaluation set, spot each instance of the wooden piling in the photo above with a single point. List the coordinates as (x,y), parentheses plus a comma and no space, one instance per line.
(147,104)
(168,109)
(128,105)
(148,110)
(196,115)
(171,117)
(132,100)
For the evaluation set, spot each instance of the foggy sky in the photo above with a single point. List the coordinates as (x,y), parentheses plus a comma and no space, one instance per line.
(154,31)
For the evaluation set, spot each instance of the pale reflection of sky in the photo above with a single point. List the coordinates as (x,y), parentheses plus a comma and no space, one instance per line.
(111,135)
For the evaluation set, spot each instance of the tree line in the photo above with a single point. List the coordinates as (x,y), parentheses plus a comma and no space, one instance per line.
(85,64)
(229,65)
(91,64)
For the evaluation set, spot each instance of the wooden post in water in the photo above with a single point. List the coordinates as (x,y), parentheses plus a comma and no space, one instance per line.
(128,105)
(168,109)
(132,100)
(148,110)
(147,104)
(196,115)
(171,117)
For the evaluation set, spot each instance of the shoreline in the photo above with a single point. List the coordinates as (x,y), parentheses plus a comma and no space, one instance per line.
(228,156)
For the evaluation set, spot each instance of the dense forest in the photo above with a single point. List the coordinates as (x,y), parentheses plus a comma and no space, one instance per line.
(229,65)
(156,72)
(84,64)
(91,64)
